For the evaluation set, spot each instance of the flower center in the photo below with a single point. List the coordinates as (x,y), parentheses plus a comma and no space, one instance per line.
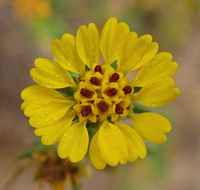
(103,93)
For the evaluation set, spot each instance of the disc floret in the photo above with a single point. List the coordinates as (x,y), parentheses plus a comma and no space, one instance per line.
(106,91)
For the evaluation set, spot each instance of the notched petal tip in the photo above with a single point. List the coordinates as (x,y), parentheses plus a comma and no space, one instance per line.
(146,37)
(87,43)
(111,19)
(67,36)
(95,155)
(112,144)
(54,43)
(74,142)
(151,126)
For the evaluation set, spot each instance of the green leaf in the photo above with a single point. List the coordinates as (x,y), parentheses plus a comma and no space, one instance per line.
(36,147)
(74,185)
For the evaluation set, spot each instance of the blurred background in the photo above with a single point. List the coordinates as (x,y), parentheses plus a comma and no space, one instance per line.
(27,28)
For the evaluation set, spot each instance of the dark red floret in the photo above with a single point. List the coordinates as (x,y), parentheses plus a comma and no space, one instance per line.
(86,111)
(95,81)
(86,93)
(98,69)
(111,92)
(127,89)
(103,106)
(114,77)
(119,109)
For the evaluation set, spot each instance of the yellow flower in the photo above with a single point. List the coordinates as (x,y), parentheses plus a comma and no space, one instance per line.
(101,94)
(30,9)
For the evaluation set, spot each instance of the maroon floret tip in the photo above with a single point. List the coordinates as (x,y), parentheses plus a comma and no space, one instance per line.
(127,89)
(103,106)
(114,77)
(98,69)
(111,92)
(95,81)
(86,111)
(86,93)
(119,109)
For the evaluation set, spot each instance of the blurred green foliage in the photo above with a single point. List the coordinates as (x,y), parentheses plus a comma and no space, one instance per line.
(36,147)
(168,21)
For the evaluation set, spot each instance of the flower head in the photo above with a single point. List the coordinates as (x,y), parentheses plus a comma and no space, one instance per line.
(87,83)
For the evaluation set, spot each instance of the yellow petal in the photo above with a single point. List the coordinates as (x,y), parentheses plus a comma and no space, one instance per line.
(53,133)
(24,104)
(37,107)
(51,75)
(74,143)
(112,144)
(129,43)
(95,155)
(113,34)
(160,66)
(136,52)
(87,43)
(46,113)
(65,53)
(135,144)
(151,126)
(147,55)
(36,92)
(157,92)
(44,106)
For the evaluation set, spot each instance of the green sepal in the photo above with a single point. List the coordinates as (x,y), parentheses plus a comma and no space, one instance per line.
(75,76)
(87,68)
(114,65)
(67,91)
(138,108)
(137,89)
(92,129)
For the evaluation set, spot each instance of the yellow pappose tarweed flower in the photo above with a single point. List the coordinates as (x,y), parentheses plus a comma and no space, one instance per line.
(65,109)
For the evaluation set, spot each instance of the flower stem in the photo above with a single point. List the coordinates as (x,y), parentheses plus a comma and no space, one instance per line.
(74,185)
